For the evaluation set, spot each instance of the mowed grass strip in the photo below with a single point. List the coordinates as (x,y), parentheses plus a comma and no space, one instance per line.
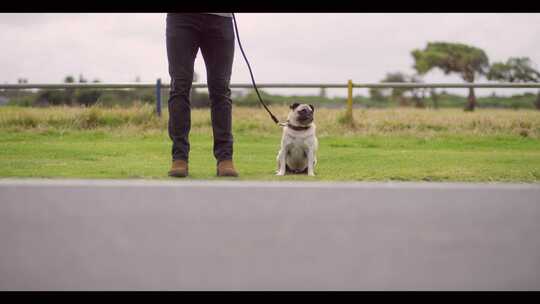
(99,154)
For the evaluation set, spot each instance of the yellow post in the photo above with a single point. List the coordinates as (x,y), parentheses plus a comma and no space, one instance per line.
(349,101)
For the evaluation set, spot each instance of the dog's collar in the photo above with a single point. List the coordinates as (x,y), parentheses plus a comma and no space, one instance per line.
(297,128)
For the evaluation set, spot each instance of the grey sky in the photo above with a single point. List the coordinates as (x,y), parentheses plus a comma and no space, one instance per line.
(285,47)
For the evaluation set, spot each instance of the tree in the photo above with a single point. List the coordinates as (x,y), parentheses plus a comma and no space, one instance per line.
(69,93)
(515,69)
(322,93)
(376,94)
(88,97)
(418,101)
(434,97)
(467,61)
(397,94)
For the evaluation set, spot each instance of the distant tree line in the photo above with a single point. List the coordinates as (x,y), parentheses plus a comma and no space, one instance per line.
(469,62)
(79,97)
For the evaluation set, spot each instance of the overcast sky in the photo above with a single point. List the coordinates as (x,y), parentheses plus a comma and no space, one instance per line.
(285,47)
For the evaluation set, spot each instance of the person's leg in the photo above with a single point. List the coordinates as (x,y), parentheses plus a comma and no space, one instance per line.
(183,40)
(217,47)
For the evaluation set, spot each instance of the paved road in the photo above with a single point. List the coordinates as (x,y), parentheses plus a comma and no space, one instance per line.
(189,235)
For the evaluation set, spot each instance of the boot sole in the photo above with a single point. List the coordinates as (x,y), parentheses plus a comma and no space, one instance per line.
(227,174)
(178,174)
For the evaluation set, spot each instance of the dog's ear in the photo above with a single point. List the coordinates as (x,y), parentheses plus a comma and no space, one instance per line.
(312,108)
(294,105)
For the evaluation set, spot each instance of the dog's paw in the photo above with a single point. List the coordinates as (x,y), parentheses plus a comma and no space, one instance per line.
(279,173)
(311,174)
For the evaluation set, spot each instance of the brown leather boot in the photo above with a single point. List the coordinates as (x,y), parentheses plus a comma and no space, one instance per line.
(226,168)
(179,168)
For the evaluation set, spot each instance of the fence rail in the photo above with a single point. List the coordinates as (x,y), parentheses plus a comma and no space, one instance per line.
(138,85)
(349,85)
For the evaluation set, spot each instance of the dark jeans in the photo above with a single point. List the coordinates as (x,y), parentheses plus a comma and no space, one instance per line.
(214,35)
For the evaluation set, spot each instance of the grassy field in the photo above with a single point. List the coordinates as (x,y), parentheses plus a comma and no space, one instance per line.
(381,145)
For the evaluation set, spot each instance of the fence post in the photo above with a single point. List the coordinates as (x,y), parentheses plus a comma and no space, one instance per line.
(349,100)
(158,97)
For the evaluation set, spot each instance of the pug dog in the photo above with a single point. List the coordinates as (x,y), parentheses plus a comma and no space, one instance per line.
(299,143)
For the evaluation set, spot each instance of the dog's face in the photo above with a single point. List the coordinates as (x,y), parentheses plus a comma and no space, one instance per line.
(301,114)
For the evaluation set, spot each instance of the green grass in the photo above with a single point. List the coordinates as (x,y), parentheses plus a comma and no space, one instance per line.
(99,154)
(380,145)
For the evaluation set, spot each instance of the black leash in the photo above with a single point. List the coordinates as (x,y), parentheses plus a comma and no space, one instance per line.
(251,73)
